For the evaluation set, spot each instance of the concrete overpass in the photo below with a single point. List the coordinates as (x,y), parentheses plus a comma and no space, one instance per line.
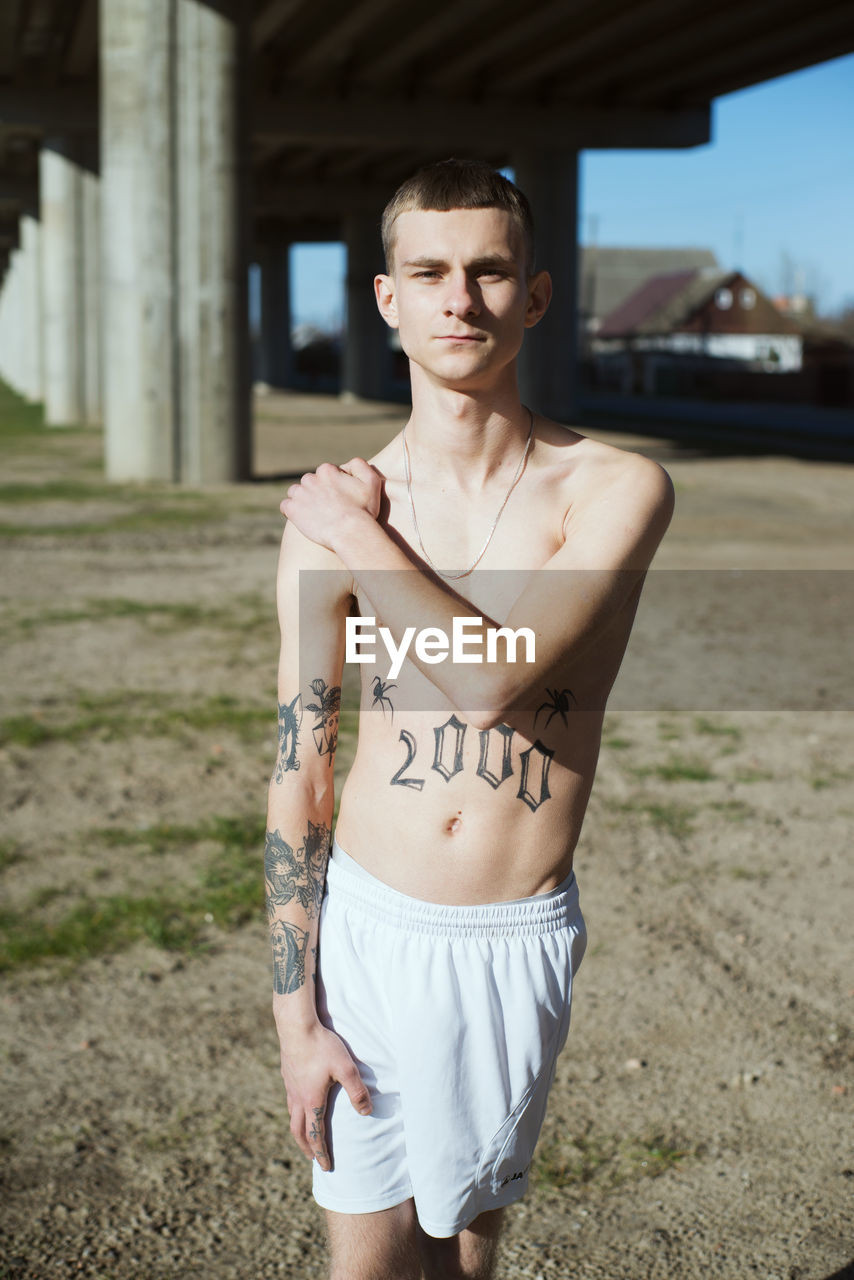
(150,149)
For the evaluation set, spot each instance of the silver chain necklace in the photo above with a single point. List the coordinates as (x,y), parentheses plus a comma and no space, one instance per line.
(464,572)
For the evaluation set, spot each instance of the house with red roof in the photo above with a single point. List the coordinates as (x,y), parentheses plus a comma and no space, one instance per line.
(689,321)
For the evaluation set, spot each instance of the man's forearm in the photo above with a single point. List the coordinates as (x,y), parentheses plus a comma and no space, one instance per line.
(403,596)
(295,858)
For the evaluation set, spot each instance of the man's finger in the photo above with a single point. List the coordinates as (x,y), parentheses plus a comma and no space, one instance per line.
(356,1090)
(298,1131)
(359,468)
(317,1135)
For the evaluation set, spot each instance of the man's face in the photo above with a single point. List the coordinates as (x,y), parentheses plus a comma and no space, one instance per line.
(460,294)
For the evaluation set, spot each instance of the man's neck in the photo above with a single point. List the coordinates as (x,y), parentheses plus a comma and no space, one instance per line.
(465,438)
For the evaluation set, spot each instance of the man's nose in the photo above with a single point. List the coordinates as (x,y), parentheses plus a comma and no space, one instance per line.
(463,296)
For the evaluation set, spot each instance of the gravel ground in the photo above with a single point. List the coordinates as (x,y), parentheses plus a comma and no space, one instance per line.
(701,1120)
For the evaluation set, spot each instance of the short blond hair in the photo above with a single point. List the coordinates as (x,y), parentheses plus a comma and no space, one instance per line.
(459,184)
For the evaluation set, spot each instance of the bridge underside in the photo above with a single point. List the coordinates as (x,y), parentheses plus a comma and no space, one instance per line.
(150,149)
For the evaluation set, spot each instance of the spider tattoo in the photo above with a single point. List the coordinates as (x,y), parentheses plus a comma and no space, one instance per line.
(557,703)
(381,688)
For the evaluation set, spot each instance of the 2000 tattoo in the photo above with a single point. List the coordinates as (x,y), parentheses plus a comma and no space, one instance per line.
(495,762)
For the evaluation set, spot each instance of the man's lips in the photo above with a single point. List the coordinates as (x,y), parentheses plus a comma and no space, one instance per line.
(461,337)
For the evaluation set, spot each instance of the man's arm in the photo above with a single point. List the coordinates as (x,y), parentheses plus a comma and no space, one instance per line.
(299,819)
(612,536)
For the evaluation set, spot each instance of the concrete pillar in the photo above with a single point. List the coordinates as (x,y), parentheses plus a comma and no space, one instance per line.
(275,353)
(175,264)
(366,359)
(31,316)
(63,327)
(90,197)
(140,408)
(548,364)
(11,336)
(213,257)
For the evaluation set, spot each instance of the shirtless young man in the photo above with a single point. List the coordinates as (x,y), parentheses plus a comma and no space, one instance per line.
(418,1050)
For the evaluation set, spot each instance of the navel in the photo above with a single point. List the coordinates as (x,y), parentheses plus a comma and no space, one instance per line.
(453,825)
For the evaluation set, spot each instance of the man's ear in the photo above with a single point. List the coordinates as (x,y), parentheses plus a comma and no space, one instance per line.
(539,297)
(386,300)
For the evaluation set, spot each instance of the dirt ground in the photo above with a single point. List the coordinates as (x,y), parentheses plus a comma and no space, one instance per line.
(701,1123)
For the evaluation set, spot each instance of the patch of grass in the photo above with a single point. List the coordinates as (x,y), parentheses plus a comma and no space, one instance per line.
(618,744)
(654,1156)
(242,613)
(144,519)
(17,417)
(746,873)
(230,892)
(605,1161)
(558,1165)
(122,715)
(732,810)
(157,839)
(10,853)
(752,774)
(676,819)
(820,781)
(668,732)
(703,725)
(59,491)
(676,770)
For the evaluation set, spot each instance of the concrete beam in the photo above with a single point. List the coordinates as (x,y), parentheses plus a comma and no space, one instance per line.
(18,190)
(65,109)
(270,21)
(82,56)
(9,18)
(571,48)
(759,56)
(640,64)
(302,119)
(532,23)
(300,231)
(438,25)
(321,199)
(335,45)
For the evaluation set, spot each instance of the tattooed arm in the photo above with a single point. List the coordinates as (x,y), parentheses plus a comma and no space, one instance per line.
(614,529)
(299,818)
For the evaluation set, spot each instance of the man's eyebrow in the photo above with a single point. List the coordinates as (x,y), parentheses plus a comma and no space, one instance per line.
(490,260)
(424,262)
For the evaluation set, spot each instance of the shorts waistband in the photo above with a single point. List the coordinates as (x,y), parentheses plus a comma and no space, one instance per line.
(545,913)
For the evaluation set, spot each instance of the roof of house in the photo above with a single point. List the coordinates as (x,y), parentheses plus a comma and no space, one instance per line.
(608,276)
(668,303)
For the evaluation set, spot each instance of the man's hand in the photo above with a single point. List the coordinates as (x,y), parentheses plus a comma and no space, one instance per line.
(322,503)
(312,1061)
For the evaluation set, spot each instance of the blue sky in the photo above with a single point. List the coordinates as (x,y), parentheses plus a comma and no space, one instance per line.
(773,193)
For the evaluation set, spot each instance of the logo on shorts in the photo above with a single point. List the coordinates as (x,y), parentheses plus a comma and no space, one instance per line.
(514,1177)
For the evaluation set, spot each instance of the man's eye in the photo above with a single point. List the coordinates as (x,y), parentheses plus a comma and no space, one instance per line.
(487,274)
(425,275)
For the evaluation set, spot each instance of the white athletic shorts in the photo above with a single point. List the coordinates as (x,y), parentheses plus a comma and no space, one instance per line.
(455,1016)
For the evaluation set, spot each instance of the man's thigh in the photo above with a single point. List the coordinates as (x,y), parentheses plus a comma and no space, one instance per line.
(469,1255)
(389,1245)
(374,1246)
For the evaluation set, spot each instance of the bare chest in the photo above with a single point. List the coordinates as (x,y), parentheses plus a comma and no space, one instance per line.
(455,532)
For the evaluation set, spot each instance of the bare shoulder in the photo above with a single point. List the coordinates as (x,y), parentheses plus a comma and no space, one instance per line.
(591,472)
(389,460)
